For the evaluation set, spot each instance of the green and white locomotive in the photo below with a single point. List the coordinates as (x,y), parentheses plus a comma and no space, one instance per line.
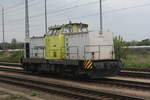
(70,49)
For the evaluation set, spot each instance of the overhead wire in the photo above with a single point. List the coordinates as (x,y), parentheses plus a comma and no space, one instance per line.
(66,4)
(30,5)
(68,8)
(111,11)
(106,12)
(51,13)
(127,8)
(58,11)
(20,10)
(18,6)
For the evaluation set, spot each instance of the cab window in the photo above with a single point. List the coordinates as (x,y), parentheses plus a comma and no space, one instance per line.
(50,32)
(54,32)
(68,30)
(57,32)
(83,29)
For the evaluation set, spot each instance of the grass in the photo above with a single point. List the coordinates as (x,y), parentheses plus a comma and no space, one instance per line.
(13,57)
(34,93)
(137,61)
(133,60)
(8,96)
(15,97)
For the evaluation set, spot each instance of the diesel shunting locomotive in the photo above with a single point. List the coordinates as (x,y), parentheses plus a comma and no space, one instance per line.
(71,49)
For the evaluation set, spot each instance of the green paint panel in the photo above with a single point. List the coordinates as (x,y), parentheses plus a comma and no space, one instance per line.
(55,47)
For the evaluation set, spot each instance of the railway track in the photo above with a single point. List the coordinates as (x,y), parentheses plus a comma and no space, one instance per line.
(118,82)
(107,81)
(73,91)
(10,64)
(137,69)
(104,80)
(125,83)
(135,74)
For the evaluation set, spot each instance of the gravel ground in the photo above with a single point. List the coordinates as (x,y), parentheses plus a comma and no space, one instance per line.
(11,92)
(8,96)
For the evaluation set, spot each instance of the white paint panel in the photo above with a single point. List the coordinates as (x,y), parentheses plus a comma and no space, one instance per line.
(103,43)
(75,44)
(37,47)
(91,45)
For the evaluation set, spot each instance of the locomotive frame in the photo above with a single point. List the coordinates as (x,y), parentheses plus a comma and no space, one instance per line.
(82,68)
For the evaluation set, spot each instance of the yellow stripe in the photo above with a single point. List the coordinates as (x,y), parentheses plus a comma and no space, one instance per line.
(89,65)
(85,63)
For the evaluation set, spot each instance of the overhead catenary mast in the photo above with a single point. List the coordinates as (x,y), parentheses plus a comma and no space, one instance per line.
(101,16)
(3,28)
(27,32)
(45,16)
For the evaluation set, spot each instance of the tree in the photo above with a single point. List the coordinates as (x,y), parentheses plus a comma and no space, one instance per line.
(13,43)
(121,48)
(133,43)
(145,42)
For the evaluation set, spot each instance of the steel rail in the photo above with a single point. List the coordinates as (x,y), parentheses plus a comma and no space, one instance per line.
(125,83)
(137,69)
(10,64)
(70,91)
(135,74)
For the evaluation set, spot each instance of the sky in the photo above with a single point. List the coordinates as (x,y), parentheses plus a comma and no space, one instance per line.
(128,18)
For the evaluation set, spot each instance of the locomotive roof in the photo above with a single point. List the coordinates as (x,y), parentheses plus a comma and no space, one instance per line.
(37,37)
(59,26)
(77,24)
(55,27)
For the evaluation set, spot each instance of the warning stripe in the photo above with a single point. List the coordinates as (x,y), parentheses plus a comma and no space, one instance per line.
(91,67)
(88,64)
(85,63)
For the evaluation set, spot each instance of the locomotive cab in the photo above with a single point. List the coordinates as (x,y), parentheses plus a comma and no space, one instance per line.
(55,39)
